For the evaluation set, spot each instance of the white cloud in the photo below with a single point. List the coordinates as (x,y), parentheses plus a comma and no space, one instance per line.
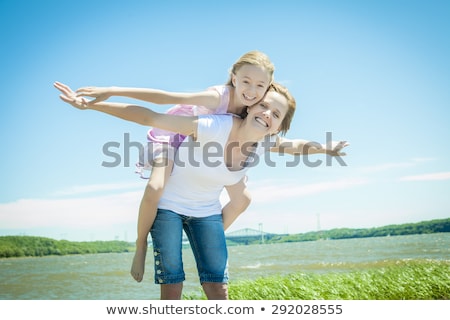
(74,212)
(428,177)
(387,166)
(267,191)
(395,165)
(117,208)
(74,190)
(424,159)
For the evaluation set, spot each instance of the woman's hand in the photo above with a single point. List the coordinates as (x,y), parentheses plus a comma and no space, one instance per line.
(334,148)
(69,96)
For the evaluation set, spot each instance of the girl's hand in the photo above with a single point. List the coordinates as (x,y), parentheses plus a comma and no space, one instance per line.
(99,93)
(68,96)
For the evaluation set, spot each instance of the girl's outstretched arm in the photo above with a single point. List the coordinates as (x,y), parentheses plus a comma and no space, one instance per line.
(209,98)
(144,116)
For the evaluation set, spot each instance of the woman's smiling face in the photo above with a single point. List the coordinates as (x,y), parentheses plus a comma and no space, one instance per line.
(269,113)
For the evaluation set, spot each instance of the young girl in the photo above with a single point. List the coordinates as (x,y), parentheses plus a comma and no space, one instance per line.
(250,77)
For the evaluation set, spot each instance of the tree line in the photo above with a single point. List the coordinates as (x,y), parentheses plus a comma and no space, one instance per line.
(23,246)
(424,227)
(26,246)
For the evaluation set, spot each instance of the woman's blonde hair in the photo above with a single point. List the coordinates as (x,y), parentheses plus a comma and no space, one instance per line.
(254,58)
(286,123)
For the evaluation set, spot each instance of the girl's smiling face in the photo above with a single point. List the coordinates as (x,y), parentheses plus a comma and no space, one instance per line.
(251,83)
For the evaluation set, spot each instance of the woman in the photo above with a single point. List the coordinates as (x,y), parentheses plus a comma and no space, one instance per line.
(249,79)
(191,198)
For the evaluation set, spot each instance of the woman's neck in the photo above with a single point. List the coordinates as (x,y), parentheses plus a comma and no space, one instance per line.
(241,144)
(242,134)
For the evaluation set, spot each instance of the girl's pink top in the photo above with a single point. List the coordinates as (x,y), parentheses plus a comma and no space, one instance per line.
(162,136)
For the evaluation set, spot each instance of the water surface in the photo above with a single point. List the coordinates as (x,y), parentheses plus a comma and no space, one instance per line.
(106,276)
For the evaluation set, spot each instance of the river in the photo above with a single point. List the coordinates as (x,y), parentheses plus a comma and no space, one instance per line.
(106,276)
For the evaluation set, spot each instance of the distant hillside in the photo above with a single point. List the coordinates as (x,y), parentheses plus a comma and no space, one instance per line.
(432,226)
(21,246)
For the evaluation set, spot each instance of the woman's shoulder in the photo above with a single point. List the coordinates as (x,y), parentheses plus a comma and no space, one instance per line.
(214,127)
(226,118)
(218,123)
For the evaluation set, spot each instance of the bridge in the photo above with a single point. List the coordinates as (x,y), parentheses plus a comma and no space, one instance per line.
(248,235)
(243,236)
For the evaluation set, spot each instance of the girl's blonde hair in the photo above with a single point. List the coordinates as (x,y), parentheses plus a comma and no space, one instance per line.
(254,58)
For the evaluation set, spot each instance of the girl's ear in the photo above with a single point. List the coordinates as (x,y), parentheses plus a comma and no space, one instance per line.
(233,80)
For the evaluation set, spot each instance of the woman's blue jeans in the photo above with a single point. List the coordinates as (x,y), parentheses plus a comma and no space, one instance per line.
(207,239)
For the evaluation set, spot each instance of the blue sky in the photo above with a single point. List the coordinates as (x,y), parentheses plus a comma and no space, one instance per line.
(375,73)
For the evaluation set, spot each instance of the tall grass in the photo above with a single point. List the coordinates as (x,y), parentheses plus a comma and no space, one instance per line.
(400,280)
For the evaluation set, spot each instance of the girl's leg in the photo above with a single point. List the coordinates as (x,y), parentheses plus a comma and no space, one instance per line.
(239,201)
(154,189)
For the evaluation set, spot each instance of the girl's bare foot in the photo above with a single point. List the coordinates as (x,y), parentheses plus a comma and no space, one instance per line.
(138,266)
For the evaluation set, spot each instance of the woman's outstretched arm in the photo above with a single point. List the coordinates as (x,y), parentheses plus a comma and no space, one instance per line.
(140,115)
(300,146)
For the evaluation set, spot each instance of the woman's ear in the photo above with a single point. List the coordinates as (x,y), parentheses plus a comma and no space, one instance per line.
(277,131)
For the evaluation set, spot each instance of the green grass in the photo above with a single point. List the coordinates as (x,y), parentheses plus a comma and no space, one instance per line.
(399,280)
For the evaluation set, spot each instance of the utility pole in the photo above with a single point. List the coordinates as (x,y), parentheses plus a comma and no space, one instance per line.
(318,222)
(261,232)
